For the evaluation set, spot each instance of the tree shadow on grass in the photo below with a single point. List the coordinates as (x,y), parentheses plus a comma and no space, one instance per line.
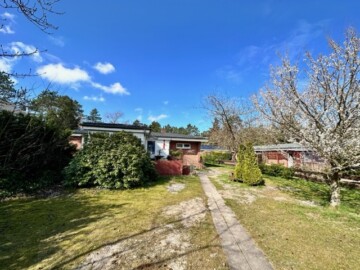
(319,192)
(31,228)
(305,190)
(134,243)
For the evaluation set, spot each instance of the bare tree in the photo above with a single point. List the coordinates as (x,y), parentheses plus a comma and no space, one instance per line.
(232,118)
(325,113)
(36,12)
(113,117)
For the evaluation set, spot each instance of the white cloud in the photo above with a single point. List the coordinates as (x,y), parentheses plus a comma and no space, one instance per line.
(94,98)
(157,117)
(6,29)
(59,74)
(104,68)
(166,102)
(6,65)
(8,16)
(21,48)
(115,88)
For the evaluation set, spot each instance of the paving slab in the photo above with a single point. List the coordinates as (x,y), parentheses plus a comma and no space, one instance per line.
(240,248)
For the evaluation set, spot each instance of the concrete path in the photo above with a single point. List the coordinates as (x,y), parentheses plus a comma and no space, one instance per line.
(238,245)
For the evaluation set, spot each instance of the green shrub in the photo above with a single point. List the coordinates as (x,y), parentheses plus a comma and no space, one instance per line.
(277,170)
(111,161)
(247,169)
(216,157)
(32,153)
(239,167)
(176,153)
(251,172)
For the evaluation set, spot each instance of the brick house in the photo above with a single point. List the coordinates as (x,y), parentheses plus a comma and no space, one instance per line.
(290,155)
(157,144)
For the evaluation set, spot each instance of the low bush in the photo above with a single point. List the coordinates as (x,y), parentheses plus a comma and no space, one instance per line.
(111,161)
(216,157)
(277,170)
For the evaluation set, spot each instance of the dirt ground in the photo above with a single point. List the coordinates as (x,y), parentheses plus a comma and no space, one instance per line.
(163,247)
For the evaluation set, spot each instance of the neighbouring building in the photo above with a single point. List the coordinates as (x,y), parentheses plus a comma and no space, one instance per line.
(159,145)
(290,155)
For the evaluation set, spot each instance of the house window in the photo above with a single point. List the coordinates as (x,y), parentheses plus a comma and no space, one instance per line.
(183,146)
(151,147)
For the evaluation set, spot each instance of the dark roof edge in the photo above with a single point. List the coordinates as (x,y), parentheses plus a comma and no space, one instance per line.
(112,125)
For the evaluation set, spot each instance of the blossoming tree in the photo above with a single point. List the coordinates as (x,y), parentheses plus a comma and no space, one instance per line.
(324,112)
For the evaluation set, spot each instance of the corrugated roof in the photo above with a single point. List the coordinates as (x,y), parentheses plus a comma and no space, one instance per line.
(283,147)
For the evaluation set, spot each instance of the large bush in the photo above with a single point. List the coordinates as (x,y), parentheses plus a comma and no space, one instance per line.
(216,157)
(111,161)
(32,153)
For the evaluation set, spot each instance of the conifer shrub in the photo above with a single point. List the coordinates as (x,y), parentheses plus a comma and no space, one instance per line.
(111,161)
(239,167)
(247,169)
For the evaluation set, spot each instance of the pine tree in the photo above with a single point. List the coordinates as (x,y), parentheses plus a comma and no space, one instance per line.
(94,116)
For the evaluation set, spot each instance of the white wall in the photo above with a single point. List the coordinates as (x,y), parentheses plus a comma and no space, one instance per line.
(159,146)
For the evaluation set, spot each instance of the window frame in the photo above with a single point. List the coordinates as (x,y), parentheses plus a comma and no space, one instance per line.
(182,146)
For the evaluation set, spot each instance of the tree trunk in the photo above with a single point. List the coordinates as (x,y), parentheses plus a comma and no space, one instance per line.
(335,190)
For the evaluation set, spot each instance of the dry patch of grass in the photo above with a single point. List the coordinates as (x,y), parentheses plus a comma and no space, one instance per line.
(293,224)
(104,229)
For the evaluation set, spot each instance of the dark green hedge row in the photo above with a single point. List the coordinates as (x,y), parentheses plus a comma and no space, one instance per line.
(216,157)
(277,170)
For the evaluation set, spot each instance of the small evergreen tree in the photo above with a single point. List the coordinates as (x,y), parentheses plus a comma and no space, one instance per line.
(251,172)
(239,168)
(94,116)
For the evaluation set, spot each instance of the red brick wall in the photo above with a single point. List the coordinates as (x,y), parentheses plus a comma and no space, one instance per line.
(195,147)
(169,167)
(189,156)
(276,158)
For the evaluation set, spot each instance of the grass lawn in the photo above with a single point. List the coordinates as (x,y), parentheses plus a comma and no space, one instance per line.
(293,224)
(63,231)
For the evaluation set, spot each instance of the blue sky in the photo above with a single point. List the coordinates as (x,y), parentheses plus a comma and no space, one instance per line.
(158,59)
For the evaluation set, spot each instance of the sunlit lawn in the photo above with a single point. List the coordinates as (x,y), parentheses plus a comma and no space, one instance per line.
(59,232)
(292,222)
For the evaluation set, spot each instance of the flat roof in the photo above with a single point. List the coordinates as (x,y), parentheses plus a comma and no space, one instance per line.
(112,125)
(175,136)
(279,147)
